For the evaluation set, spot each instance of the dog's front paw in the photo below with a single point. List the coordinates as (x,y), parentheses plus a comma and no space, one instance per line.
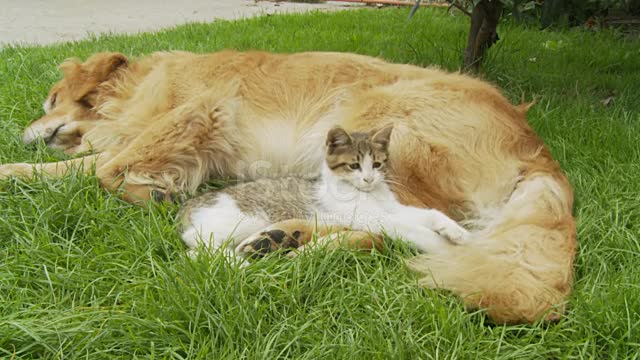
(265,242)
(158,195)
(17,169)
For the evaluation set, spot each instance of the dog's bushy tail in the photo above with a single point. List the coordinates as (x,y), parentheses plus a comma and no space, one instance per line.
(519,267)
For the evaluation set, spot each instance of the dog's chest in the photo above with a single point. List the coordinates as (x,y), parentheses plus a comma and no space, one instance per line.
(280,148)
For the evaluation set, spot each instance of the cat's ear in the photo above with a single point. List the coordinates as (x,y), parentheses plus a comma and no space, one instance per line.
(382,136)
(337,137)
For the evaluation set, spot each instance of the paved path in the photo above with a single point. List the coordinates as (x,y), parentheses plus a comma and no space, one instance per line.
(48,21)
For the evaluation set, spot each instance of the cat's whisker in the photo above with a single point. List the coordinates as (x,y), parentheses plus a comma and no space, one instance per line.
(395,183)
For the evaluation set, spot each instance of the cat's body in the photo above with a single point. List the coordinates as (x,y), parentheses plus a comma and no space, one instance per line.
(351,192)
(241,210)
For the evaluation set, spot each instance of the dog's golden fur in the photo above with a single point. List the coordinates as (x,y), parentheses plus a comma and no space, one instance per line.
(170,121)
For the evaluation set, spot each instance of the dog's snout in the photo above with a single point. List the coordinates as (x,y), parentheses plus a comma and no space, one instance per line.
(45,131)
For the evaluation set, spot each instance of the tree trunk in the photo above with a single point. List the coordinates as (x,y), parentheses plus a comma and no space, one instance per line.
(484,20)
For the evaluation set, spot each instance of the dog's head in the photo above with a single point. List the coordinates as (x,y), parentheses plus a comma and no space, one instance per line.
(70,108)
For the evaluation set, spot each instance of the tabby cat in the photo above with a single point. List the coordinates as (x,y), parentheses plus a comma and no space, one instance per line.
(350,192)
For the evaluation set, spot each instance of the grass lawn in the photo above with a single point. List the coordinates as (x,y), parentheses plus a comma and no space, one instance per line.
(84,275)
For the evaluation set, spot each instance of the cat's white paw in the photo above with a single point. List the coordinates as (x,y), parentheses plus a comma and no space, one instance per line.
(192,253)
(235,259)
(453,232)
(229,254)
(446,227)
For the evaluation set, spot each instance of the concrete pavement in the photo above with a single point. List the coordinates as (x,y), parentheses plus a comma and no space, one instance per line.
(49,21)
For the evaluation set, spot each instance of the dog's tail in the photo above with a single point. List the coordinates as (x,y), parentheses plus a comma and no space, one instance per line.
(519,266)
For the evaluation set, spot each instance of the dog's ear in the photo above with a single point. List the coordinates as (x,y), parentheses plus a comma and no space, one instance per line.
(83,78)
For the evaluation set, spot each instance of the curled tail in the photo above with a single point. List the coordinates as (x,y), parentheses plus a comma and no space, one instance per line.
(519,267)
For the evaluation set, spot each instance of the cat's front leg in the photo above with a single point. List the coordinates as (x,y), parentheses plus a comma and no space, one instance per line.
(419,236)
(443,225)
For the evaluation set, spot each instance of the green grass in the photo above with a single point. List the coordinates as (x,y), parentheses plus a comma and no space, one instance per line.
(84,275)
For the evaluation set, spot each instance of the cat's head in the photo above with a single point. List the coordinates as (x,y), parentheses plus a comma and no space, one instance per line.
(358,158)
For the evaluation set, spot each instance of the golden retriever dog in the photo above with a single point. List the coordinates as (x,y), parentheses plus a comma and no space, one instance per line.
(168,122)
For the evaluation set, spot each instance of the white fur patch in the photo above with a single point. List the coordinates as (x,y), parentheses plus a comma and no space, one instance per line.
(213,226)
(535,187)
(533,196)
(281,148)
(273,149)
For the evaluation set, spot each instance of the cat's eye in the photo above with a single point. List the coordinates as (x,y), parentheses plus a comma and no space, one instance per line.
(377,164)
(354,166)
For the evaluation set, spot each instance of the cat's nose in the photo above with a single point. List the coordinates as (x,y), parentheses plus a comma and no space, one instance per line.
(368,180)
